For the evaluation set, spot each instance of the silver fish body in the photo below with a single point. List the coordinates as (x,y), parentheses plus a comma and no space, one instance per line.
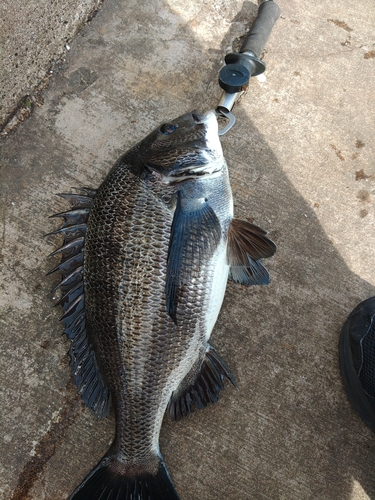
(156,264)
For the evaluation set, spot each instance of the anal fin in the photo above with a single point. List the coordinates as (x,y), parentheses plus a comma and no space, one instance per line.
(205,389)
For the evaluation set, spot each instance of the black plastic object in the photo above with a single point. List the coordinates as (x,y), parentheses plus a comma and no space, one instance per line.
(268,14)
(235,75)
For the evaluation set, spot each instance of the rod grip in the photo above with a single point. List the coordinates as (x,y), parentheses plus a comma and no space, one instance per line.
(268,14)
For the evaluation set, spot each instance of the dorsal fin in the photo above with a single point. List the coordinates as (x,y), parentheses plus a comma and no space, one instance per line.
(247,244)
(85,369)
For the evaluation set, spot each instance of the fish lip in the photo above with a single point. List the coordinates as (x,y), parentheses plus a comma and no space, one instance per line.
(203,118)
(210,116)
(197,117)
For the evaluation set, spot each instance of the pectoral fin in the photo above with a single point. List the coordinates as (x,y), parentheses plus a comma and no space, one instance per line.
(195,235)
(247,244)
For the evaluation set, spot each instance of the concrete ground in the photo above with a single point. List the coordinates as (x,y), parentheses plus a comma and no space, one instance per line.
(301,160)
(34,36)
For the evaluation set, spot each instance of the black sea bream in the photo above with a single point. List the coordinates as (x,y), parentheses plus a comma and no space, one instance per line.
(145,263)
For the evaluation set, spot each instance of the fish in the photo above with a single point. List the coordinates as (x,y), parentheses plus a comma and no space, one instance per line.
(144,266)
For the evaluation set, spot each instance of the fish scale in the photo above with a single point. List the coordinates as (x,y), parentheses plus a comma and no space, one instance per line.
(154,333)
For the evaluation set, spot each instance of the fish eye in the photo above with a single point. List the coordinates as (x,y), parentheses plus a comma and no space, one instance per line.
(168,128)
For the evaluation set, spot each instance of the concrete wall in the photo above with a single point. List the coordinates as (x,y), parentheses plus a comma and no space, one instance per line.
(33,34)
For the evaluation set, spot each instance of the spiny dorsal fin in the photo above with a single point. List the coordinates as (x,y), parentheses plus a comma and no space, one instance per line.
(247,244)
(83,362)
(80,200)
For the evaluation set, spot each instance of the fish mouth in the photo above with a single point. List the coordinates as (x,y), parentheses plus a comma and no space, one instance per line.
(207,169)
(191,172)
(198,171)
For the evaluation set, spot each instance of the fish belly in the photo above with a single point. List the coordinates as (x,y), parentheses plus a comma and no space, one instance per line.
(217,289)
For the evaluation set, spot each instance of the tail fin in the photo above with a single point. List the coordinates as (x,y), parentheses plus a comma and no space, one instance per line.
(110,480)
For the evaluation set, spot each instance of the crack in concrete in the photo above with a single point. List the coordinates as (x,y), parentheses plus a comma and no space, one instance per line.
(47,447)
(3,234)
(3,214)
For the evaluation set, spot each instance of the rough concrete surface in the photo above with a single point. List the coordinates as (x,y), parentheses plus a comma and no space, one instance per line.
(33,37)
(301,160)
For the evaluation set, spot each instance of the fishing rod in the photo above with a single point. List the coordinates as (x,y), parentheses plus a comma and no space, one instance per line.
(240,66)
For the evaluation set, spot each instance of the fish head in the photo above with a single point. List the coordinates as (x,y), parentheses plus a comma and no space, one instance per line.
(186,148)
